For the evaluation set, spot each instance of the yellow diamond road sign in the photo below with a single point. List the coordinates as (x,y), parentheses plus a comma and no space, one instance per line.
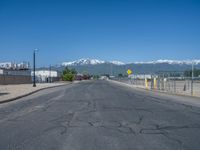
(129,71)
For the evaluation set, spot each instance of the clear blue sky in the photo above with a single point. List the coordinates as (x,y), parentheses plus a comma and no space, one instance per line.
(126,30)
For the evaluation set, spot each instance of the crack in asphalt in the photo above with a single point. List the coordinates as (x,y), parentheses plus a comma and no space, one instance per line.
(164,130)
(110,125)
(111,108)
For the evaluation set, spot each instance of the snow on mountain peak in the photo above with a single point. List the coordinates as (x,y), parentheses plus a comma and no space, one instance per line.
(88,61)
(167,61)
(117,62)
(83,61)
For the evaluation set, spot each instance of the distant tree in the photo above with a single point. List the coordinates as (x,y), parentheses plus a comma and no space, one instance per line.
(68,77)
(68,74)
(73,71)
(125,75)
(85,73)
(66,70)
(188,73)
(107,75)
(120,75)
(96,77)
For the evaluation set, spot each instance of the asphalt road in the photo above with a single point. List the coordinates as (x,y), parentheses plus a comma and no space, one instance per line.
(98,115)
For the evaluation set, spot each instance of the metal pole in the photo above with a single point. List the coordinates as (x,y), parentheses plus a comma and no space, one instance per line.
(111,69)
(34,82)
(50,74)
(163,84)
(174,85)
(192,78)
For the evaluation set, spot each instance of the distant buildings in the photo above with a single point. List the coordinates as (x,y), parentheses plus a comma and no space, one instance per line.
(79,76)
(141,76)
(46,75)
(15,66)
(19,73)
(103,78)
(13,73)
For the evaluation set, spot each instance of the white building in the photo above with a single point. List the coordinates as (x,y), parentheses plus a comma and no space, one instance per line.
(45,75)
(103,78)
(1,71)
(141,76)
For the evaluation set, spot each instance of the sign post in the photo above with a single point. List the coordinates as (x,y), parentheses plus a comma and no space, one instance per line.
(129,72)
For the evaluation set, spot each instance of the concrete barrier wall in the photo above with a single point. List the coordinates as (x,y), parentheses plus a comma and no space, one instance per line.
(14,79)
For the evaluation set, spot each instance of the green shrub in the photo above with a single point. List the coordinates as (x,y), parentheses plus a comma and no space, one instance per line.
(68,77)
(69,74)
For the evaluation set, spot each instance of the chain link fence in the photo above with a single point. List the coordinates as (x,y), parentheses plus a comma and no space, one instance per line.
(176,85)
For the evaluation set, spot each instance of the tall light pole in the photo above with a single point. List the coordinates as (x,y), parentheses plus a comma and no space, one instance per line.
(192,78)
(50,74)
(34,79)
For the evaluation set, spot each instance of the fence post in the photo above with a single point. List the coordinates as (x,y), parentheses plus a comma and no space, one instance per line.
(146,83)
(163,82)
(155,83)
(174,85)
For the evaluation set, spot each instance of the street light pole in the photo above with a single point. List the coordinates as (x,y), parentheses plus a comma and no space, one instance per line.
(192,78)
(34,79)
(50,74)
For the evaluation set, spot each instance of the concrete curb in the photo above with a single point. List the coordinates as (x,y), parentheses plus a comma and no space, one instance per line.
(30,93)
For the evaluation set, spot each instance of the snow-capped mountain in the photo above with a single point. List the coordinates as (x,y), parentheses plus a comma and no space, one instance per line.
(117,62)
(88,61)
(83,62)
(167,61)
(104,67)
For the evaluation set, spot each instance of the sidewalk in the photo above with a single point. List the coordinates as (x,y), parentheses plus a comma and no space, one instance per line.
(12,92)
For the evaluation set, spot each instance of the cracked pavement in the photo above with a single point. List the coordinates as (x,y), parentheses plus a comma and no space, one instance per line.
(98,115)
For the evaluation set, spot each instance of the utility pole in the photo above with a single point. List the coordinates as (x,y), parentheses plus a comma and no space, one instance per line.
(34,79)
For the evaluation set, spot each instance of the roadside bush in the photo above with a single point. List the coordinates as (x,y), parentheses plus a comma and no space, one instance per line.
(69,74)
(68,77)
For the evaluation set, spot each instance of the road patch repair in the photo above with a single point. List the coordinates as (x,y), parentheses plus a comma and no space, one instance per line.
(13,92)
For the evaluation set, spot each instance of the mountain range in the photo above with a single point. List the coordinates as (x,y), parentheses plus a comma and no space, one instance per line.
(95,66)
(88,61)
